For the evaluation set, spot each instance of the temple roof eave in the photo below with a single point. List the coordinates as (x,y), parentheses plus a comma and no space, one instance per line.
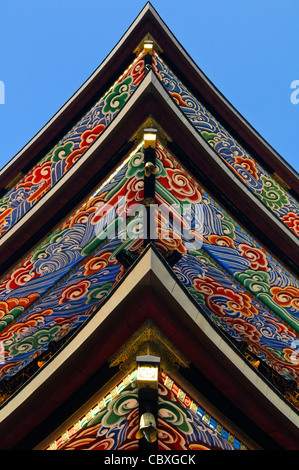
(187,327)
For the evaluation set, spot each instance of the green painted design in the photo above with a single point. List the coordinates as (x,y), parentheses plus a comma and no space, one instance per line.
(7,319)
(258,283)
(62,152)
(228,228)
(160,169)
(203,257)
(135,166)
(32,342)
(117,96)
(280,311)
(99,292)
(211,138)
(198,296)
(106,232)
(175,414)
(277,353)
(117,408)
(272,195)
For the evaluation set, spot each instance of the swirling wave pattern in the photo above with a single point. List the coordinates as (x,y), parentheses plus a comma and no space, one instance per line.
(56,287)
(180,428)
(242,288)
(182,425)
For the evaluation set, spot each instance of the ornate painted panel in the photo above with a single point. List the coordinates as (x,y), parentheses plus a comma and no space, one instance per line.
(43,176)
(112,424)
(245,291)
(256,179)
(26,192)
(184,425)
(240,286)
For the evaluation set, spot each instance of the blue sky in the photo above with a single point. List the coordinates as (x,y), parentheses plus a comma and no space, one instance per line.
(248,49)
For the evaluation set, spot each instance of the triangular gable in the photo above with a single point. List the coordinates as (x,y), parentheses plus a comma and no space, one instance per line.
(254,176)
(178,59)
(112,422)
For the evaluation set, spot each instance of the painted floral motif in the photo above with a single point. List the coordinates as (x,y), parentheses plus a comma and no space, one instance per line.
(291,220)
(116,425)
(59,284)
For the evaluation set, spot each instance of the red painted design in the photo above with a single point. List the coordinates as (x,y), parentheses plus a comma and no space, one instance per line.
(286,296)
(97,263)
(234,301)
(75,291)
(291,220)
(180,185)
(21,275)
(89,136)
(258,259)
(248,164)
